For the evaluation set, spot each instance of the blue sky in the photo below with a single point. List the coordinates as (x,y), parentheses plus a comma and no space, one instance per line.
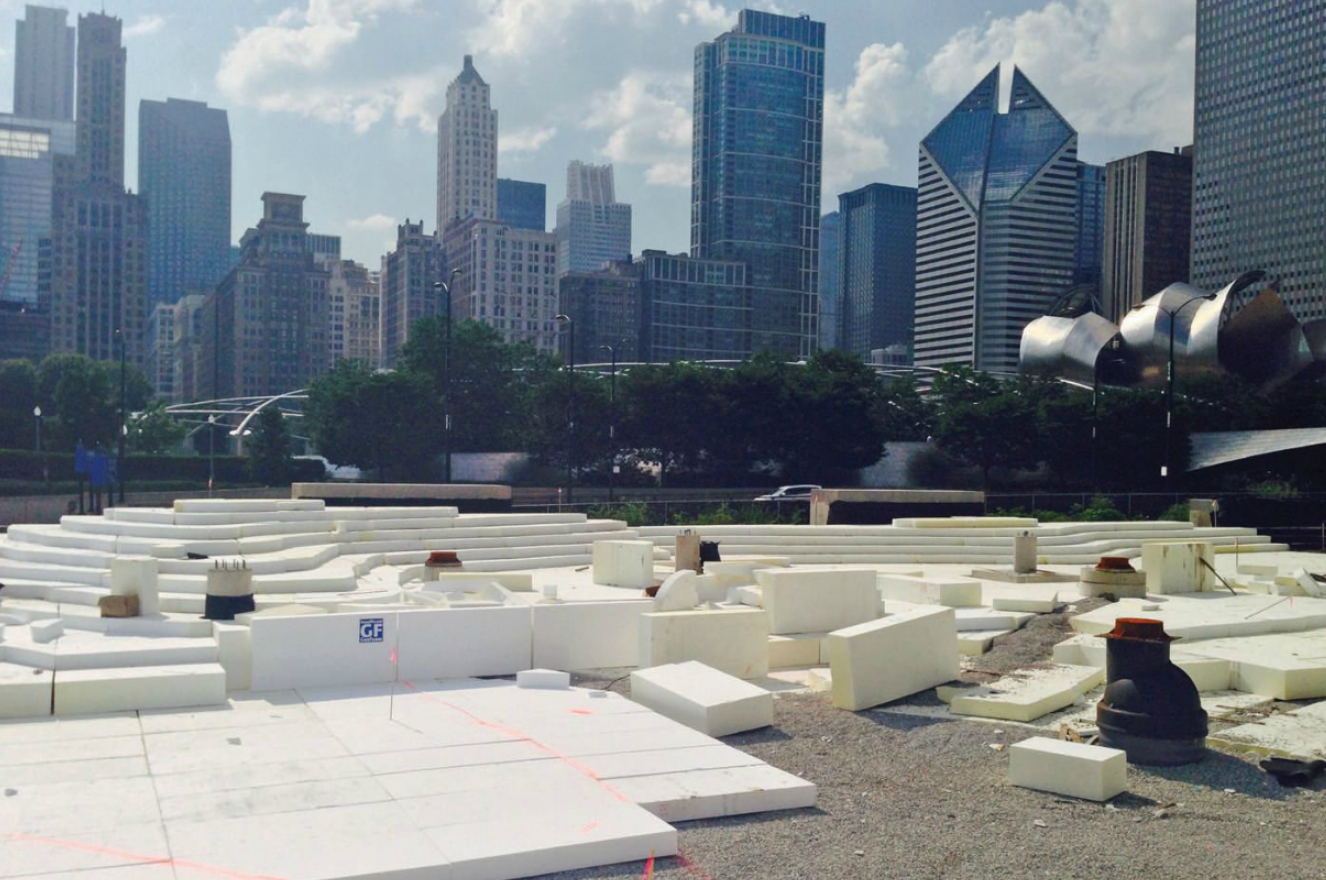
(338,99)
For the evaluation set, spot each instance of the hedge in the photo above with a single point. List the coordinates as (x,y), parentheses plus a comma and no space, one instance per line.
(22,464)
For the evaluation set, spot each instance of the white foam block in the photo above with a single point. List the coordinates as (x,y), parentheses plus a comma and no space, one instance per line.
(88,691)
(1178,566)
(24,691)
(624,563)
(731,640)
(1074,769)
(894,657)
(678,592)
(800,601)
(234,653)
(455,643)
(960,593)
(795,650)
(322,650)
(1033,604)
(543,680)
(588,635)
(1028,694)
(137,576)
(727,791)
(44,631)
(702,698)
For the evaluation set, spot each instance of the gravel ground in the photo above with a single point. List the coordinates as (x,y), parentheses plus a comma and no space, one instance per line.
(907,791)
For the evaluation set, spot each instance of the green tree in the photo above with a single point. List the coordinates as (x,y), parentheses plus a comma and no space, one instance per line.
(833,429)
(18,395)
(387,421)
(666,414)
(1129,449)
(269,448)
(78,394)
(154,430)
(903,413)
(549,440)
(985,422)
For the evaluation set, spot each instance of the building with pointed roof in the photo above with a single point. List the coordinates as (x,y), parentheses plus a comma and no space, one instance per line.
(467,151)
(996,224)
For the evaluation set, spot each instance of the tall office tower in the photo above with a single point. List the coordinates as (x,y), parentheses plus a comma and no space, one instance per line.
(755,172)
(695,309)
(188,347)
(1148,227)
(184,173)
(408,275)
(28,148)
(522,204)
(353,302)
(159,364)
(986,178)
(606,307)
(1259,163)
(878,260)
(97,286)
(831,228)
(508,280)
(44,65)
(1090,223)
(592,226)
(467,151)
(265,327)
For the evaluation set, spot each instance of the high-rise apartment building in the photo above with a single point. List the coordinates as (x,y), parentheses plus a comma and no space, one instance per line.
(877,255)
(1090,223)
(830,290)
(467,151)
(508,280)
(28,148)
(1259,163)
(592,226)
(353,306)
(996,235)
(409,274)
(695,309)
(522,204)
(188,347)
(265,328)
(755,178)
(606,307)
(1148,227)
(44,65)
(184,173)
(97,286)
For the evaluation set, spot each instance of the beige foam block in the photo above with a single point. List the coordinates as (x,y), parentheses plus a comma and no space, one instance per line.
(702,698)
(893,657)
(24,691)
(727,791)
(624,563)
(1033,604)
(1286,666)
(1178,566)
(1300,734)
(1028,694)
(731,640)
(1081,650)
(974,643)
(1091,772)
(800,601)
(88,691)
(795,650)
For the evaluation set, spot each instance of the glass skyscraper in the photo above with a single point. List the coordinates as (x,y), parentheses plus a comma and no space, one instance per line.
(996,236)
(1090,223)
(28,148)
(755,176)
(830,287)
(1259,159)
(878,274)
(184,172)
(522,204)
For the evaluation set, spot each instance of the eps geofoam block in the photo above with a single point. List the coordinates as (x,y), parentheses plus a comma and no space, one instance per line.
(1074,769)
(702,698)
(894,657)
(731,640)
(543,680)
(624,563)
(1178,566)
(817,601)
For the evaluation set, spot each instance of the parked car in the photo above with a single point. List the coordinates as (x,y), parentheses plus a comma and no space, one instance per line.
(799,492)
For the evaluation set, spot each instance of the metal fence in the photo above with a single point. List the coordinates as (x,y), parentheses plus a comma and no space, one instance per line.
(683,511)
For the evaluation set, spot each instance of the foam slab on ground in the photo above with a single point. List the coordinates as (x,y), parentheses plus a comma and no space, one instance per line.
(88,691)
(1027,694)
(894,657)
(702,698)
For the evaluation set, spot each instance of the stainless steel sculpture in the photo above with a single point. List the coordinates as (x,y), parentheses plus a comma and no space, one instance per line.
(1244,329)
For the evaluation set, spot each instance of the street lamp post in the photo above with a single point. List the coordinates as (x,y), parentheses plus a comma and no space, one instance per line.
(36,414)
(1167,470)
(570,401)
(211,454)
(444,287)
(612,421)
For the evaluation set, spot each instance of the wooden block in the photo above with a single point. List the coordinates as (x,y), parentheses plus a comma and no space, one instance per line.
(118,606)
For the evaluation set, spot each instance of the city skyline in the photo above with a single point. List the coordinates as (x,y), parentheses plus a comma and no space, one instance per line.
(888,79)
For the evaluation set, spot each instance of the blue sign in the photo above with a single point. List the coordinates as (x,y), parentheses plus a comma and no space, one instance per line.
(80,458)
(370,629)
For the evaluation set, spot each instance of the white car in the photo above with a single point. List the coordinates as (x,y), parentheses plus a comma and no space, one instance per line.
(799,492)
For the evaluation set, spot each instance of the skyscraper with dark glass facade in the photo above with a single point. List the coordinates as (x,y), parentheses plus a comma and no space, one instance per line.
(830,288)
(755,174)
(878,260)
(1090,223)
(184,173)
(522,204)
(1259,159)
(996,238)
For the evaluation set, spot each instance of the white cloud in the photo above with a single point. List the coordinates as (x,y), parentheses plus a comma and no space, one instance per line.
(524,140)
(855,117)
(147,24)
(706,13)
(648,120)
(372,221)
(283,66)
(1119,67)
(515,27)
